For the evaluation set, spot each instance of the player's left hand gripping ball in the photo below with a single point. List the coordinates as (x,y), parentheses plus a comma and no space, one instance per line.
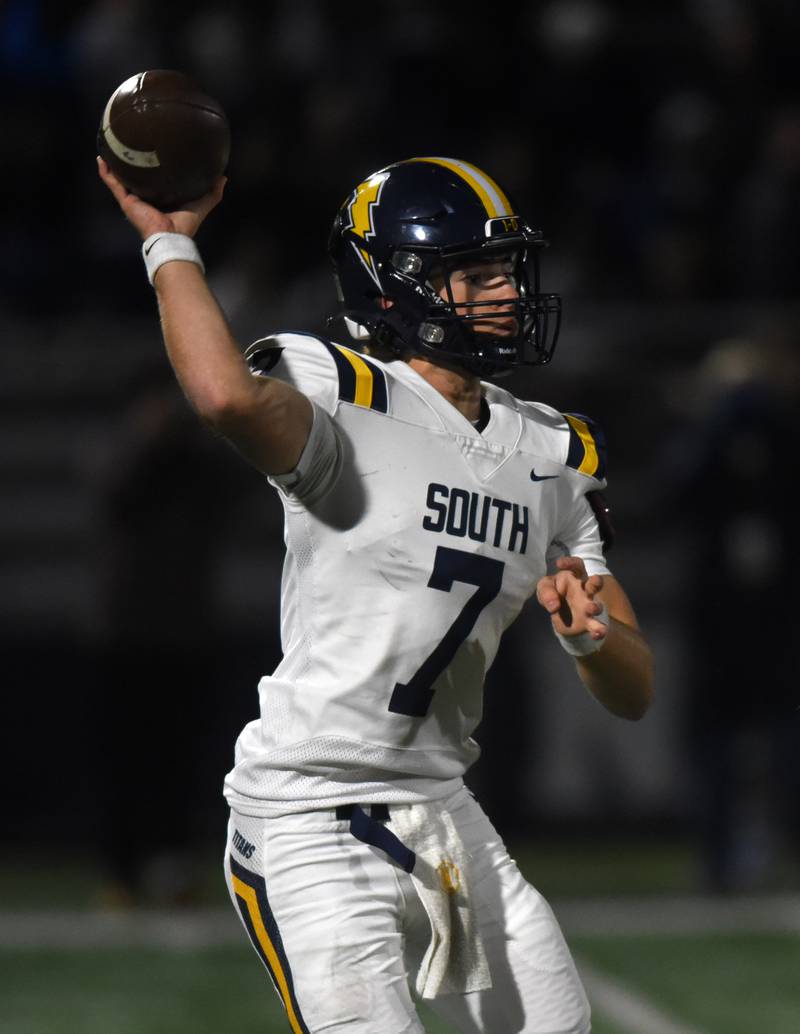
(164,138)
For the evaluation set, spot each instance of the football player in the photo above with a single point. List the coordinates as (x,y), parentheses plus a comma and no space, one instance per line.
(423,507)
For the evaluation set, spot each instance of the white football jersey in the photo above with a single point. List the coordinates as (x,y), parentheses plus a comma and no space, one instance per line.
(417,547)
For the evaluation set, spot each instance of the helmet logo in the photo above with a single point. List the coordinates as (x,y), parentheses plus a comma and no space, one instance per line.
(501,224)
(361,212)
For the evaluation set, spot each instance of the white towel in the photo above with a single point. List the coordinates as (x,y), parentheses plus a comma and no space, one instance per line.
(455,960)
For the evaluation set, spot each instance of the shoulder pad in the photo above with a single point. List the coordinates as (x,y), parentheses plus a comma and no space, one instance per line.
(587,446)
(359,380)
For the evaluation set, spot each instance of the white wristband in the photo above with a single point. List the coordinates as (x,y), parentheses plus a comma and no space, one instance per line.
(169,247)
(582,645)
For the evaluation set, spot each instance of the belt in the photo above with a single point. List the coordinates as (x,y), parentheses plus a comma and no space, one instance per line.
(369,830)
(379,812)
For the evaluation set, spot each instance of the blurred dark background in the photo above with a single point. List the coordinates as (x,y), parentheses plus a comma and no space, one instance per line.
(658,146)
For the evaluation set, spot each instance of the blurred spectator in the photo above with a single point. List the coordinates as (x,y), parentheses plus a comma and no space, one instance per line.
(170,489)
(765,234)
(671,211)
(728,484)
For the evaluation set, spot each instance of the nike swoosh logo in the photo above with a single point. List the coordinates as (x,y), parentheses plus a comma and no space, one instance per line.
(542,477)
(150,247)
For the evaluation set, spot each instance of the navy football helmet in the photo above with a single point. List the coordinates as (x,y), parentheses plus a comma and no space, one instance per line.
(405,229)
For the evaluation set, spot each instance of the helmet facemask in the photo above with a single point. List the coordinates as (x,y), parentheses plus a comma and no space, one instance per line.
(418,311)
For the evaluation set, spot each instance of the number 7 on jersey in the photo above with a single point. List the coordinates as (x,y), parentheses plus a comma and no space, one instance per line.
(449,566)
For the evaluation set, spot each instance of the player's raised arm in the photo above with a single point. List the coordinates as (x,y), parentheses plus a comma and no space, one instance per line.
(267,420)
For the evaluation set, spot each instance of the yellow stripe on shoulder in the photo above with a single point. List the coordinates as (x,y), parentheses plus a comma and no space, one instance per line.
(362,395)
(583,455)
(361,381)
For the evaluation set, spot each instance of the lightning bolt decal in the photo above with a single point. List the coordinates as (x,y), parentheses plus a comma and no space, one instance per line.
(361,210)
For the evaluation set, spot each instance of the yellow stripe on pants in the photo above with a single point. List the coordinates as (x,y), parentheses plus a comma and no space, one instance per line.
(248,895)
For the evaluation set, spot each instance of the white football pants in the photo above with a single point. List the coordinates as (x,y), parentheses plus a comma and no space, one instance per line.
(341,930)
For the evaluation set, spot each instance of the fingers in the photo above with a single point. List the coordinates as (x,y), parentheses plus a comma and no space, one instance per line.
(571,603)
(209,201)
(553,592)
(547,594)
(553,588)
(148,220)
(111,181)
(577,566)
(575,625)
(574,564)
(589,608)
(145,218)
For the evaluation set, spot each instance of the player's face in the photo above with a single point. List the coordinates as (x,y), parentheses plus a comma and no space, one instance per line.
(493,284)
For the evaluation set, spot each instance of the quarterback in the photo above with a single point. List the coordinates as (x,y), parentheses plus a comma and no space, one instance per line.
(423,506)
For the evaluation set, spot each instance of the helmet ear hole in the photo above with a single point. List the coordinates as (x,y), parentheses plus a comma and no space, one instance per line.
(407,262)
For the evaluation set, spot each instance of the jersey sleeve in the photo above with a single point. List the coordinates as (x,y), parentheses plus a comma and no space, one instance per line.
(585,530)
(581,538)
(319,465)
(305,362)
(302,360)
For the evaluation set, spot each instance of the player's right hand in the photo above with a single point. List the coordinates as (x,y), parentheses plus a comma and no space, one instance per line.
(147,219)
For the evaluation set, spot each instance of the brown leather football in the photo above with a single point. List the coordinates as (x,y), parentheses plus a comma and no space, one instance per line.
(164,138)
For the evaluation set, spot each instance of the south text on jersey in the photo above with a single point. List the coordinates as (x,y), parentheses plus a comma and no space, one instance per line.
(477,516)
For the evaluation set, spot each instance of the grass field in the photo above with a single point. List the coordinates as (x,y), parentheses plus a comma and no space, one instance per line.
(736,983)
(660,959)
(741,984)
(214,991)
